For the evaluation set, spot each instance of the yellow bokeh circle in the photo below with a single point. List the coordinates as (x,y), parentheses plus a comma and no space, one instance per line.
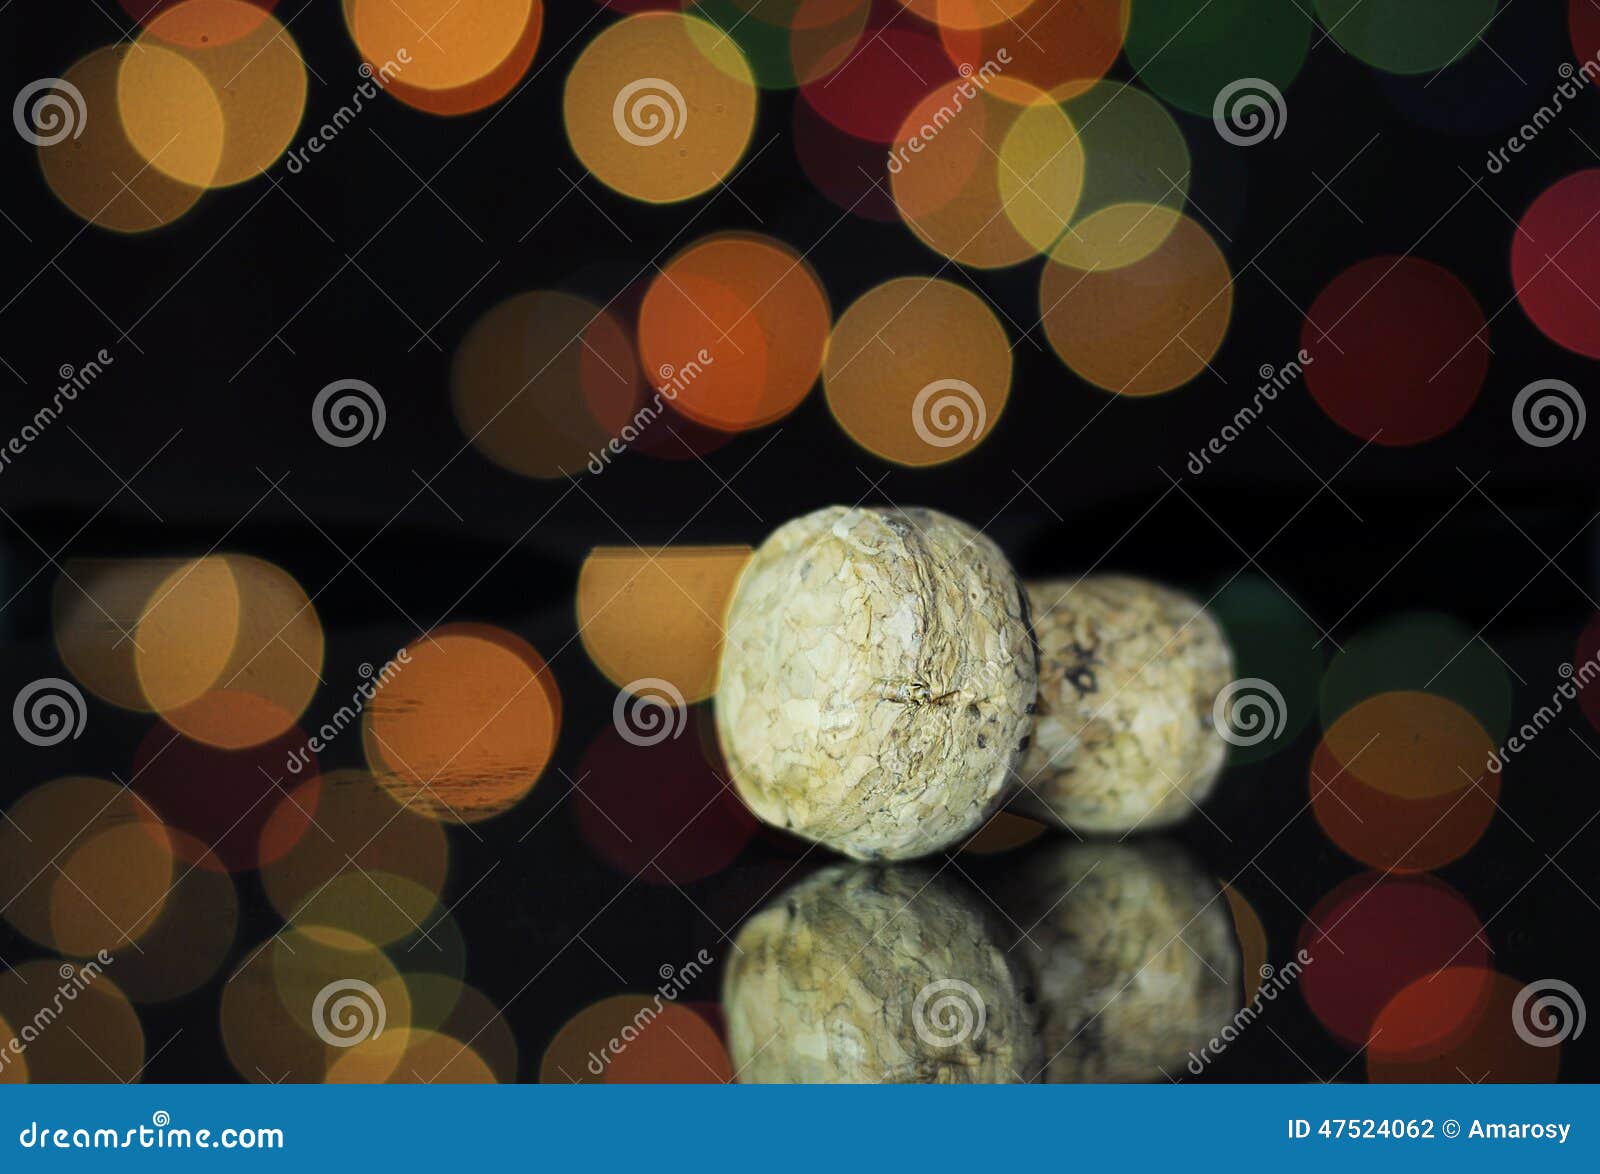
(918,371)
(660,107)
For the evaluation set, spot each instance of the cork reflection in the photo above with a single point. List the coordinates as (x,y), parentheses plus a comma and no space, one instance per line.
(1081,962)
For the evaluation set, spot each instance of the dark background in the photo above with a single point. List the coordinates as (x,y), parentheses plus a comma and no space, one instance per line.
(184,309)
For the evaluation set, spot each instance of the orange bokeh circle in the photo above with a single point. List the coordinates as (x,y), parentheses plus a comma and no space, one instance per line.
(466,726)
(1147,326)
(746,317)
(1402,782)
(1461,1025)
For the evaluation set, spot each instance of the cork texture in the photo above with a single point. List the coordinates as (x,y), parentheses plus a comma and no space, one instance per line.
(877,681)
(866,974)
(1128,673)
(1132,955)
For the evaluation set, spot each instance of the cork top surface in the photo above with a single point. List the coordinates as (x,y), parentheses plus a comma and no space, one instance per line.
(877,680)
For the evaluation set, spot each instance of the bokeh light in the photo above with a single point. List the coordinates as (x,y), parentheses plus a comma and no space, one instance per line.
(437,89)
(190,937)
(1115,237)
(95,1036)
(171,114)
(433,955)
(15,1069)
(449,45)
(194,639)
(466,726)
(1587,653)
(658,613)
(739,323)
(450,1007)
(1374,935)
(1402,781)
(143,10)
(659,811)
(1252,935)
(1136,155)
(671,1045)
(220,798)
(1399,350)
(1146,327)
(660,106)
(788,43)
(525,378)
(1189,55)
(1583,22)
(83,868)
(951,183)
(1060,48)
(95,608)
(99,174)
(109,888)
(646,419)
(968,14)
(1040,168)
(410,1056)
(189,623)
(1406,36)
(1272,640)
(270,1024)
(1459,1026)
(369,867)
(918,371)
(1490,89)
(1420,651)
(230,650)
(255,72)
(1555,258)
(1376,741)
(852,172)
(870,95)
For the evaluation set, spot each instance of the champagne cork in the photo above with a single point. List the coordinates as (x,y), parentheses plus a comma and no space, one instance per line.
(877,681)
(1131,953)
(868,974)
(1129,672)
